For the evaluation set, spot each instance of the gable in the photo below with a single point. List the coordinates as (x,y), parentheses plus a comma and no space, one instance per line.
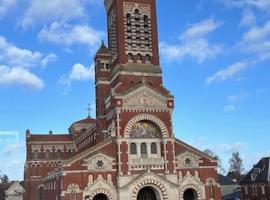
(181,148)
(106,146)
(144,97)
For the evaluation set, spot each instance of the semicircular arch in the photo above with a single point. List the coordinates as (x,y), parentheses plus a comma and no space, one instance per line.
(101,191)
(146,117)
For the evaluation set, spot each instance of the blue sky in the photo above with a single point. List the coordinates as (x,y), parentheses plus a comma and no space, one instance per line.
(214,54)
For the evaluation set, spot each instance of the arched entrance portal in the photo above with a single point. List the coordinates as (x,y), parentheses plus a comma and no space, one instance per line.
(190,194)
(100,197)
(147,193)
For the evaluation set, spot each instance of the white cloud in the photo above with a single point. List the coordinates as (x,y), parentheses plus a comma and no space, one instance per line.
(19,76)
(48,11)
(15,65)
(63,33)
(81,73)
(257,41)
(229,108)
(48,59)
(227,73)
(200,29)
(78,73)
(194,43)
(5,5)
(237,97)
(14,56)
(248,18)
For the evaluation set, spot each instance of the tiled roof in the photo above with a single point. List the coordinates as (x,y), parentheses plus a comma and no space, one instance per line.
(53,137)
(86,121)
(103,49)
(259,172)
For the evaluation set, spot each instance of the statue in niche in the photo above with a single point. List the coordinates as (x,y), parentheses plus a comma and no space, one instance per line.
(145,129)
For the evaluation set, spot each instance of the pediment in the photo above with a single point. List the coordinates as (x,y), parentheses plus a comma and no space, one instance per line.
(187,159)
(99,162)
(145,97)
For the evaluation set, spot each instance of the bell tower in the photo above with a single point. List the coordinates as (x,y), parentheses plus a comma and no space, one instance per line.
(132,31)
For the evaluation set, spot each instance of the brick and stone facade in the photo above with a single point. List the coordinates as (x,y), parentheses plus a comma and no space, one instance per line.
(255,185)
(129,151)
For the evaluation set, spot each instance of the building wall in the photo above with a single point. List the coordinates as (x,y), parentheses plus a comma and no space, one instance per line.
(255,191)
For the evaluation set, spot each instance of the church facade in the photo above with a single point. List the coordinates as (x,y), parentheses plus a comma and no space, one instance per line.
(129,151)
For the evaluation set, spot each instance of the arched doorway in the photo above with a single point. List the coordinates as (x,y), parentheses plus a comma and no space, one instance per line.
(190,194)
(41,193)
(100,197)
(146,193)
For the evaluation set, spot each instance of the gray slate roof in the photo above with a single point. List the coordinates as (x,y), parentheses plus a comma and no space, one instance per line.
(260,172)
(223,180)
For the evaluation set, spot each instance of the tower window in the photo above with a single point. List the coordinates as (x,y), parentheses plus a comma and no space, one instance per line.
(145,19)
(137,14)
(153,148)
(130,57)
(148,58)
(128,19)
(143,150)
(133,149)
(139,57)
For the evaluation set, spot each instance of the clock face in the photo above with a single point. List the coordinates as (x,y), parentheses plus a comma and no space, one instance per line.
(145,129)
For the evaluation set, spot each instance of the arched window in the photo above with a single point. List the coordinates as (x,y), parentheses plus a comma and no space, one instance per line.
(133,149)
(59,154)
(143,150)
(145,21)
(41,193)
(153,148)
(130,57)
(139,57)
(128,19)
(137,14)
(47,155)
(148,58)
(73,195)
